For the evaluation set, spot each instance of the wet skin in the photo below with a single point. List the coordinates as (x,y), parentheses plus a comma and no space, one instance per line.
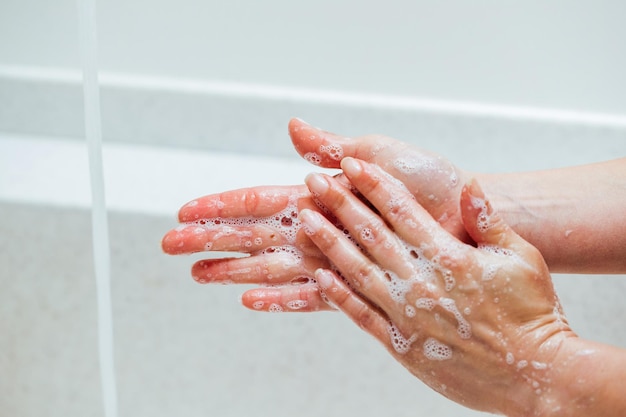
(434,181)
(449,311)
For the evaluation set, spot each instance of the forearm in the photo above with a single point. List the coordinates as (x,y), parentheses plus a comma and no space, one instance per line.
(574,216)
(586,380)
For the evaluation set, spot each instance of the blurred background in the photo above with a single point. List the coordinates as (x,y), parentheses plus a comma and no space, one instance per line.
(196,96)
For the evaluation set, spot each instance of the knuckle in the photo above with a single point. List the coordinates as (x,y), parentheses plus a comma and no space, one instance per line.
(364,317)
(362,273)
(372,235)
(326,240)
(251,200)
(361,313)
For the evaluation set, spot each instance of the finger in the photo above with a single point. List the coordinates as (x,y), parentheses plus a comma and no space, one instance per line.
(365,276)
(192,238)
(294,298)
(369,230)
(433,180)
(483,224)
(434,251)
(278,267)
(245,202)
(327,149)
(397,206)
(366,316)
(403,161)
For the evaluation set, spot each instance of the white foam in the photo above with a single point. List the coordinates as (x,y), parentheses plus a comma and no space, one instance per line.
(425,303)
(483,220)
(398,287)
(275,308)
(424,271)
(464,329)
(297,304)
(436,351)
(400,343)
(449,281)
(334,151)
(367,234)
(489,272)
(510,359)
(496,250)
(454,179)
(412,165)
(313,158)
(285,223)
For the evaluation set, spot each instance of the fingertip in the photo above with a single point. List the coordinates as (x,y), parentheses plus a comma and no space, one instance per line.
(317,146)
(351,167)
(474,189)
(311,220)
(189,211)
(171,243)
(300,130)
(482,222)
(295,124)
(325,278)
(475,211)
(253,299)
(165,243)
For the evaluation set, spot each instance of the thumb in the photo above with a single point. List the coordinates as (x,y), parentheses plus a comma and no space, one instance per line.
(483,224)
(315,145)
(327,149)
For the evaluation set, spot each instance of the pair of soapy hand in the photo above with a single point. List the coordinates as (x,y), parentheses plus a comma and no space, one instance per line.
(407,246)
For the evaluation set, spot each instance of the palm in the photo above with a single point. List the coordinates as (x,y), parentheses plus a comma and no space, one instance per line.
(262,221)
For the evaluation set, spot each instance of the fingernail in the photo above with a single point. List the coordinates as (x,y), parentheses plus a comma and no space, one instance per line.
(351,167)
(311,220)
(324,278)
(302,121)
(316,183)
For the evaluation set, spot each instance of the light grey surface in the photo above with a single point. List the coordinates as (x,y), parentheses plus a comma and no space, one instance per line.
(181,348)
(203,117)
(186,349)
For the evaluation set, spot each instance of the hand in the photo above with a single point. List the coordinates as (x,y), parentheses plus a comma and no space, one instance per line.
(263,223)
(433,180)
(480,324)
(246,217)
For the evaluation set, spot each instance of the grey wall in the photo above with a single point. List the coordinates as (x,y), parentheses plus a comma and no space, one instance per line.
(562,54)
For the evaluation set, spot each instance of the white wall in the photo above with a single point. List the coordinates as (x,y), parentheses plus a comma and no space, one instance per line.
(559,54)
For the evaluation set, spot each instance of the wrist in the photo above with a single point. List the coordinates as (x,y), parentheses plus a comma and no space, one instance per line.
(538,379)
(584,380)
